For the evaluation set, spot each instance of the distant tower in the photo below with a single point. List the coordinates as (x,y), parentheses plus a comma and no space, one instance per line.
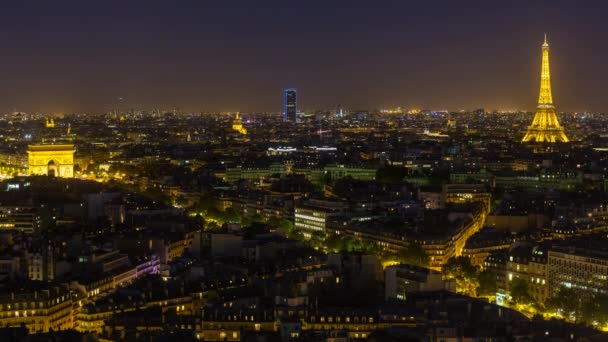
(340,112)
(237,125)
(545,127)
(290,105)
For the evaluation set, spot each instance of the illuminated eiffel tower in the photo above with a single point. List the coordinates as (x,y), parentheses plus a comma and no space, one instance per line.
(545,127)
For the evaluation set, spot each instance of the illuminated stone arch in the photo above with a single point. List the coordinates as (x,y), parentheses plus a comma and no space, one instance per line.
(53,160)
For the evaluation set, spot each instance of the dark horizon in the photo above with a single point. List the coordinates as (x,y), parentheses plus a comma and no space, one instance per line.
(239,56)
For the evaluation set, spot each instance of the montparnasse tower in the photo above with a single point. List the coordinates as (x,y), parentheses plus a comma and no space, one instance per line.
(545,127)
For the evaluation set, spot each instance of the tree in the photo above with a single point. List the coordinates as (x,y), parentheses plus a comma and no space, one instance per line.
(487,283)
(601,311)
(295,234)
(519,291)
(325,179)
(230,215)
(588,311)
(335,243)
(565,301)
(465,274)
(205,203)
(595,310)
(156,195)
(181,200)
(283,224)
(220,217)
(413,254)
(249,220)
(317,236)
(350,245)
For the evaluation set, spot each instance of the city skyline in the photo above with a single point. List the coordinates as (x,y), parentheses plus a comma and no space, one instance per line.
(303,171)
(232,57)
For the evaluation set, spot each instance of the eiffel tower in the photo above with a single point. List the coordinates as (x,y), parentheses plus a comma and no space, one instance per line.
(545,127)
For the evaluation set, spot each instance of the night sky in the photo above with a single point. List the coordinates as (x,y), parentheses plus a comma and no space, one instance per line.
(60,56)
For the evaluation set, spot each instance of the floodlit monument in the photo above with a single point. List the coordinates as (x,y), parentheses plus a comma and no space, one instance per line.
(545,127)
(237,125)
(51,160)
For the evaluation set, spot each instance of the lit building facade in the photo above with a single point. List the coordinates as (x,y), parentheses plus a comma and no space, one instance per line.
(37,310)
(467,193)
(583,269)
(400,280)
(459,227)
(41,265)
(311,217)
(528,264)
(24,219)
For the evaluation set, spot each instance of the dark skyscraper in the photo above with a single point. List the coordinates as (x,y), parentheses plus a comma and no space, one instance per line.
(290,104)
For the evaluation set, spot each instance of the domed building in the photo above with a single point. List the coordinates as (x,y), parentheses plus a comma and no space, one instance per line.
(237,125)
